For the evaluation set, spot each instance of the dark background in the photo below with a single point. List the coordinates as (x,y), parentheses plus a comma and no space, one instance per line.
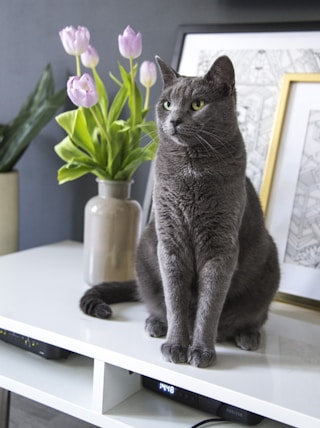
(29,40)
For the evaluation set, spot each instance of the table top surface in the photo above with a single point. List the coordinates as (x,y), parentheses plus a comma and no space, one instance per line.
(40,292)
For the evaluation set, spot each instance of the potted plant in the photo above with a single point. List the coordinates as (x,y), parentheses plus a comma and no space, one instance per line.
(15,136)
(102,141)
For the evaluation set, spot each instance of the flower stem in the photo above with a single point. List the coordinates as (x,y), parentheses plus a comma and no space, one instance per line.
(146,101)
(133,94)
(78,65)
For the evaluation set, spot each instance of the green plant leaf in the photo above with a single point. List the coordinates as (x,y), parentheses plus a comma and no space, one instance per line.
(117,106)
(135,158)
(78,125)
(136,104)
(115,79)
(43,90)
(103,97)
(3,130)
(72,172)
(149,128)
(135,98)
(21,132)
(69,152)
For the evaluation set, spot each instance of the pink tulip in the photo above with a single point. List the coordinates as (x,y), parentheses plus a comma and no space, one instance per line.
(130,43)
(82,91)
(90,57)
(148,74)
(75,41)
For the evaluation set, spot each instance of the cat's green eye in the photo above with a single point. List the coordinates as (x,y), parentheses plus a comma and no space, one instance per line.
(197,105)
(167,105)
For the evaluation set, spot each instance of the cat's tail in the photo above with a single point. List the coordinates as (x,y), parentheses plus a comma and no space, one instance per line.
(96,300)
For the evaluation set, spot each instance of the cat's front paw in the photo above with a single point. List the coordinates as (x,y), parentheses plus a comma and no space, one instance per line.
(155,326)
(201,357)
(174,353)
(248,340)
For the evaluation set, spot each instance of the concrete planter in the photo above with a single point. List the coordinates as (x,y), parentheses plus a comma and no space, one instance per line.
(9,212)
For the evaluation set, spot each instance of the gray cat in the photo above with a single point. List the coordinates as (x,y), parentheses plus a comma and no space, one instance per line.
(207,269)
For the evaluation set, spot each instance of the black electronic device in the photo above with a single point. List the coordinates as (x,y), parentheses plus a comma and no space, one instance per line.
(36,346)
(200,402)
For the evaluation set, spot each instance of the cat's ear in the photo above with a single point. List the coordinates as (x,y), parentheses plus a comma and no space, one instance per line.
(169,75)
(222,75)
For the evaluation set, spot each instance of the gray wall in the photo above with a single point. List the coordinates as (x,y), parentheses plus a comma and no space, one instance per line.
(29,40)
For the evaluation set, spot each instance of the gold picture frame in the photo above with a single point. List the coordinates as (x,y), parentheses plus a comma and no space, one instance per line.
(293,158)
(288,79)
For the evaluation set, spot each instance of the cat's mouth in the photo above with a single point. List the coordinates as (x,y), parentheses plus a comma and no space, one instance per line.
(175,138)
(182,139)
(178,136)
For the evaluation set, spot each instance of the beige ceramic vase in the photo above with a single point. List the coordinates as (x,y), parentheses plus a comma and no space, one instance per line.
(111,233)
(9,212)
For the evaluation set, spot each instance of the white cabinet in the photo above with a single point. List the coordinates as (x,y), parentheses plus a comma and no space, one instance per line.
(100,381)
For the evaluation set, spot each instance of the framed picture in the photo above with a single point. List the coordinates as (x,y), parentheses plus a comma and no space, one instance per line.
(261,54)
(293,203)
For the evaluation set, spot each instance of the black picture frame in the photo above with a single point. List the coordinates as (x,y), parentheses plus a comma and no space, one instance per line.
(262,27)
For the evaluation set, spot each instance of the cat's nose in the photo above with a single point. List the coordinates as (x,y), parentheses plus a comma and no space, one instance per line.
(176,122)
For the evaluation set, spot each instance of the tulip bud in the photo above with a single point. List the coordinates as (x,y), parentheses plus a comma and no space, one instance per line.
(82,91)
(148,74)
(130,43)
(90,57)
(75,41)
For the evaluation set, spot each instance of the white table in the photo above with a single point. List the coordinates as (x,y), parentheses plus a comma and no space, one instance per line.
(100,383)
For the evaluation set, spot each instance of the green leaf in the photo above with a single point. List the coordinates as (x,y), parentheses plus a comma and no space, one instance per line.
(135,138)
(23,130)
(3,130)
(69,152)
(117,106)
(149,128)
(76,123)
(122,125)
(72,172)
(103,96)
(135,159)
(125,76)
(66,120)
(135,98)
(135,104)
(43,90)
(113,77)
(119,138)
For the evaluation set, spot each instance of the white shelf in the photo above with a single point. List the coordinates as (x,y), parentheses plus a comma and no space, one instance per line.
(63,384)
(40,291)
(66,385)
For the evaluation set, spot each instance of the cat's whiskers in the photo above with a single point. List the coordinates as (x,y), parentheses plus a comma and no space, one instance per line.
(153,136)
(207,144)
(217,137)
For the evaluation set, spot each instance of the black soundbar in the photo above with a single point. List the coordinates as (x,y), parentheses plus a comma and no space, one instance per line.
(32,345)
(200,402)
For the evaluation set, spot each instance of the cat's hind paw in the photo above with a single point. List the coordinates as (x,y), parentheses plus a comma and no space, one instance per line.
(174,353)
(201,357)
(156,327)
(248,340)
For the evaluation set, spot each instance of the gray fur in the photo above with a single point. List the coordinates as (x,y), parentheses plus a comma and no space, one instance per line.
(207,268)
